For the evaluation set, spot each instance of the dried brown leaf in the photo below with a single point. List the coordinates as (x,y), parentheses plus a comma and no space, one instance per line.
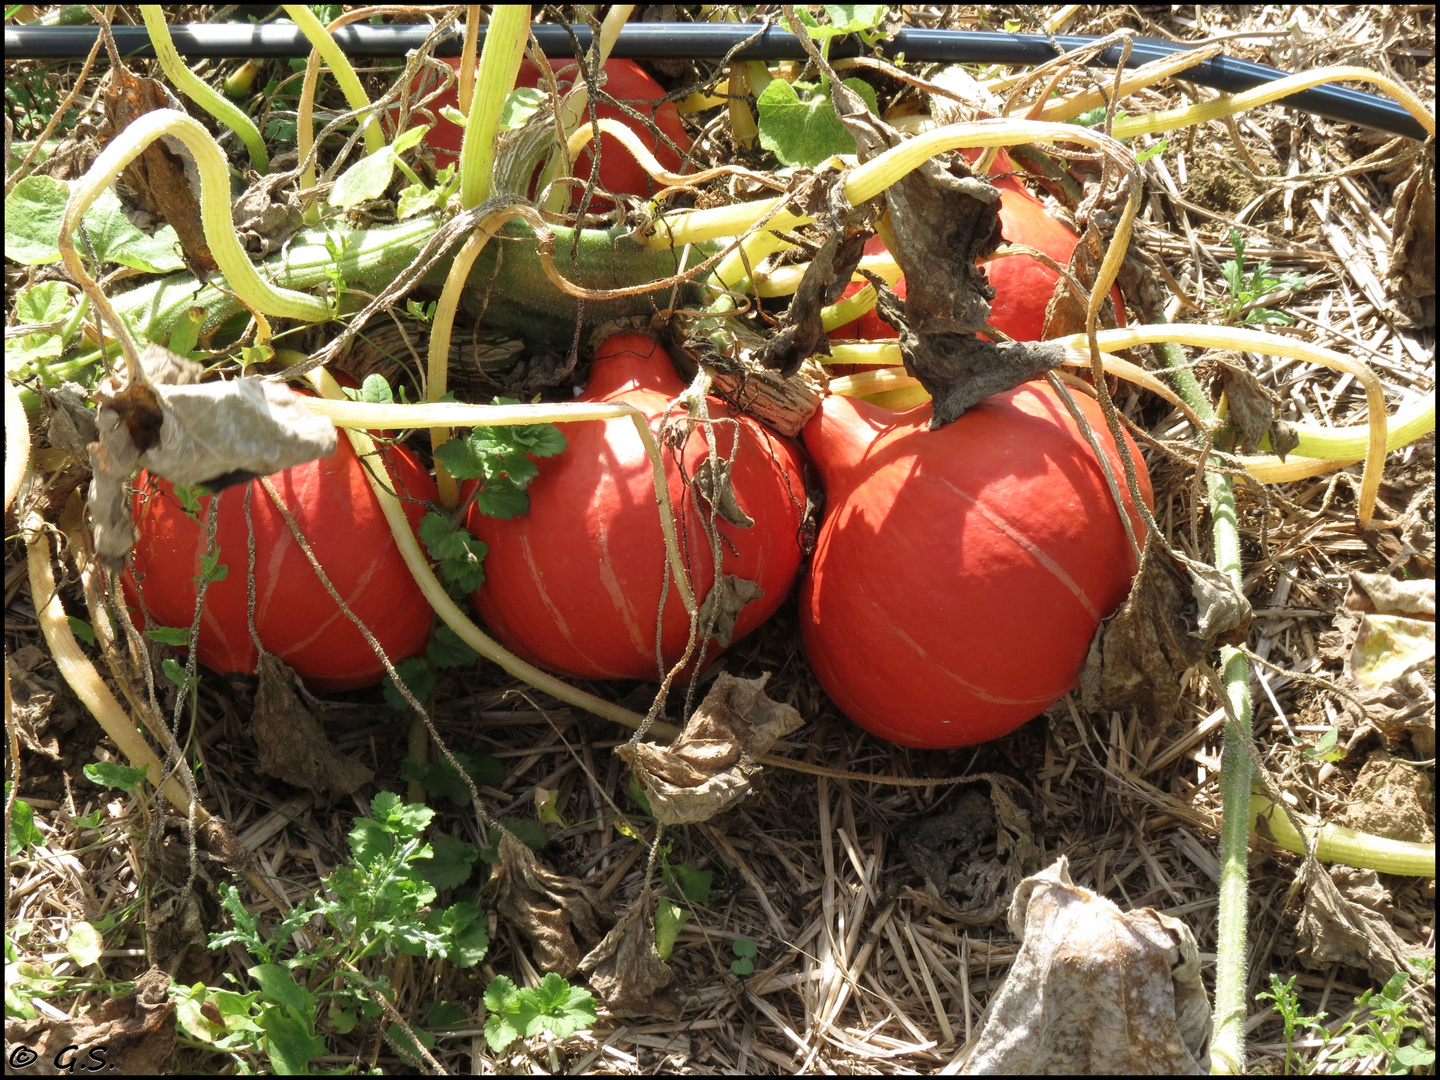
(1095,990)
(712,764)
(292,744)
(1344,921)
(1254,409)
(214,434)
(548,908)
(1177,612)
(723,604)
(627,972)
(1385,595)
(1392,798)
(163,179)
(1412,258)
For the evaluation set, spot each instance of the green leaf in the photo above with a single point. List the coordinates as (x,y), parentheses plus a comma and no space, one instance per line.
(280,987)
(175,672)
(469,941)
(670,918)
(33,212)
(448,650)
(188,496)
(501,499)
(43,303)
(415,199)
(461,459)
(695,884)
(499,1031)
(84,944)
(408,138)
(113,774)
(178,636)
(289,1042)
(846,19)
(520,104)
(443,1014)
(342,1021)
(418,677)
(376,391)
(450,865)
(366,179)
(1149,152)
(211,568)
(745,949)
(81,629)
(557,1007)
(441,781)
(23,833)
(805,132)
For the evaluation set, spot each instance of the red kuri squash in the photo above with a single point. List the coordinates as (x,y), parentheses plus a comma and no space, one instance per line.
(960,574)
(576,584)
(295,617)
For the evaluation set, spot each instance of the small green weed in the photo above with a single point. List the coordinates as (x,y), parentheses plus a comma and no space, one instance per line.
(380,900)
(1377,1035)
(554,1006)
(745,951)
(1244,289)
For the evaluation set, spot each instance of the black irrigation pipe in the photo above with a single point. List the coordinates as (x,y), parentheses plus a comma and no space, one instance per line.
(686,41)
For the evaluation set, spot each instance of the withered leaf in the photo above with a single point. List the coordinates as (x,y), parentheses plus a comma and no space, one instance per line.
(137,1032)
(1178,611)
(945,850)
(192,433)
(1095,990)
(1065,313)
(163,179)
(723,604)
(292,744)
(1254,409)
(1390,596)
(1390,797)
(712,764)
(627,972)
(548,908)
(1412,257)
(800,333)
(265,217)
(1343,921)
(712,483)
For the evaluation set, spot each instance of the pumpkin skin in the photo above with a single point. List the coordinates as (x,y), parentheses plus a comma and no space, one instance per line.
(960,574)
(1023,285)
(295,617)
(625,81)
(574,585)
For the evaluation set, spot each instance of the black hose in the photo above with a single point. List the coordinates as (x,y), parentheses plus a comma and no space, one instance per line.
(688,41)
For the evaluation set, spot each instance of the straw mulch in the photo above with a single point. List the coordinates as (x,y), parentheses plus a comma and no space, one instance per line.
(862,964)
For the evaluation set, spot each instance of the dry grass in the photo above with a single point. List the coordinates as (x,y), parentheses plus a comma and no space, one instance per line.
(859,968)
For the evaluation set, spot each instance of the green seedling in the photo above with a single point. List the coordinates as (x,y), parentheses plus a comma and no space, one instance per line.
(1245,289)
(745,951)
(554,1007)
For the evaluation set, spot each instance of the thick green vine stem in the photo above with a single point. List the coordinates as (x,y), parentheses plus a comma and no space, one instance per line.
(200,91)
(505,39)
(339,64)
(241,276)
(1227,1044)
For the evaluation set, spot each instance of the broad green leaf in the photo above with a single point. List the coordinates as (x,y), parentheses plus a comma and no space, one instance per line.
(289,1042)
(33,212)
(177,636)
(670,918)
(23,833)
(42,303)
(520,104)
(546,808)
(451,863)
(415,199)
(469,945)
(444,1014)
(280,987)
(376,391)
(418,677)
(845,19)
(460,459)
(499,1032)
(366,179)
(81,629)
(695,884)
(113,774)
(501,499)
(448,650)
(84,944)
(805,132)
